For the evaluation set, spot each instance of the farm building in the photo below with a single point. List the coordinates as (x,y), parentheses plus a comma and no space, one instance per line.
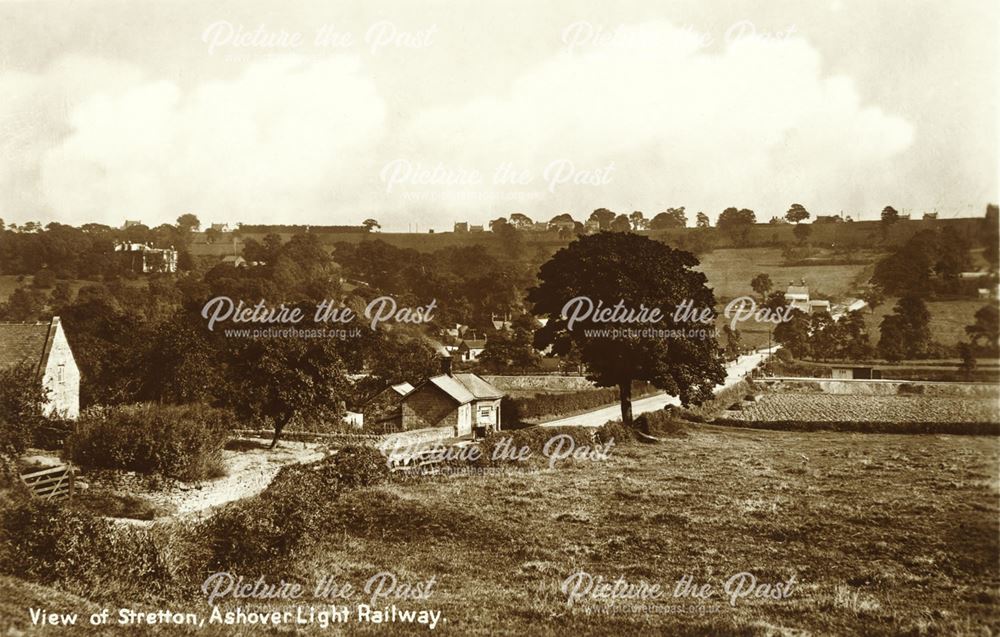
(470,349)
(855,373)
(383,411)
(44,347)
(466,403)
(797,296)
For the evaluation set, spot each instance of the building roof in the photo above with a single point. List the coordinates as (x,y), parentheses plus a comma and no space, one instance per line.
(478,387)
(402,388)
(794,290)
(27,343)
(475,343)
(451,386)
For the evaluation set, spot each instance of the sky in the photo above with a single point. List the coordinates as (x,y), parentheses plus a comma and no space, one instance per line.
(421,114)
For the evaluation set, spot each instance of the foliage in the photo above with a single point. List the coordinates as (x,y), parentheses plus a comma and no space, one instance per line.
(22,401)
(906,332)
(637,272)
(928,263)
(797,213)
(984,333)
(180,442)
(761,284)
(518,410)
(670,218)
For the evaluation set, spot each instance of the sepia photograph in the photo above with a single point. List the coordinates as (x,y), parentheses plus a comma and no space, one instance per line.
(563,317)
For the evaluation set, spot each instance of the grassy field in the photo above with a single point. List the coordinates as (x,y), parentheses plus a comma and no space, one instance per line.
(885,535)
(729,272)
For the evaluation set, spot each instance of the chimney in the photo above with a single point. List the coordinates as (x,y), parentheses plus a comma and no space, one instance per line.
(446,365)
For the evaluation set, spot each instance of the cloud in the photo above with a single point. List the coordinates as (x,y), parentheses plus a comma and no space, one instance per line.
(280,140)
(755,124)
(649,120)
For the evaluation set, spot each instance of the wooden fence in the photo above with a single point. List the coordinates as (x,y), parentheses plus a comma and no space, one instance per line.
(51,484)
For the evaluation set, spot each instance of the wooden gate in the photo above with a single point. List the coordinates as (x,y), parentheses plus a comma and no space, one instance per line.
(51,484)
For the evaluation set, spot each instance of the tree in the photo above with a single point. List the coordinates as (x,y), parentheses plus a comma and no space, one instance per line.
(802,232)
(565,216)
(852,338)
(212,235)
(733,342)
(510,350)
(874,296)
(906,332)
(670,218)
(761,284)
(497,224)
(966,351)
(889,215)
(985,332)
(701,220)
(603,217)
(279,379)
(631,271)
(188,223)
(737,223)
(371,225)
(621,224)
(521,221)
(794,335)
(639,221)
(797,213)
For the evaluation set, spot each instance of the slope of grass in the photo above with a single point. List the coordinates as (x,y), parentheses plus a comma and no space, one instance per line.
(885,535)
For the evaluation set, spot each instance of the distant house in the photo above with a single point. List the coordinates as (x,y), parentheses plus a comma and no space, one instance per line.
(539,226)
(591,226)
(221,227)
(797,296)
(461,226)
(470,349)
(44,347)
(500,322)
(978,274)
(131,222)
(562,225)
(383,411)
(140,257)
(464,403)
(855,373)
(477,229)
(235,260)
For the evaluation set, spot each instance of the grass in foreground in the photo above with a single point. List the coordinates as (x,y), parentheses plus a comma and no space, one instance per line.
(886,535)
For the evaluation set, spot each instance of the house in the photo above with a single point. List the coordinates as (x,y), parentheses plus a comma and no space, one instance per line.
(383,411)
(500,323)
(855,373)
(220,227)
(470,349)
(797,296)
(235,260)
(461,226)
(562,225)
(477,229)
(44,347)
(131,222)
(140,257)
(464,403)
(979,274)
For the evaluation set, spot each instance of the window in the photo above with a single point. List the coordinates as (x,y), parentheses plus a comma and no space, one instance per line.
(485,412)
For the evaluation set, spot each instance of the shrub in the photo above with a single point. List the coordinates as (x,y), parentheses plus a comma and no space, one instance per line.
(21,401)
(534,438)
(516,410)
(617,431)
(661,423)
(181,442)
(44,542)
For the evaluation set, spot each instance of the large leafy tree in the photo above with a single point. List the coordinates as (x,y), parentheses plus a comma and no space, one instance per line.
(761,284)
(906,332)
(796,213)
(613,267)
(669,218)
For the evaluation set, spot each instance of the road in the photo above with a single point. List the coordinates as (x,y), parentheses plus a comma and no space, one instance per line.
(734,373)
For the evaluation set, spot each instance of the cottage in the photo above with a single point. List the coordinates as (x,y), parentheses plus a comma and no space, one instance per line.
(143,258)
(464,403)
(235,260)
(470,349)
(44,347)
(383,411)
(797,297)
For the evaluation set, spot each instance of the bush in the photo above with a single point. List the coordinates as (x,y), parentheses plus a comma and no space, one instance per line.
(21,401)
(180,442)
(534,438)
(661,423)
(617,431)
(46,543)
(516,410)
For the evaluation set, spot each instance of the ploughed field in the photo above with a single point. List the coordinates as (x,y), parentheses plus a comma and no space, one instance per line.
(818,407)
